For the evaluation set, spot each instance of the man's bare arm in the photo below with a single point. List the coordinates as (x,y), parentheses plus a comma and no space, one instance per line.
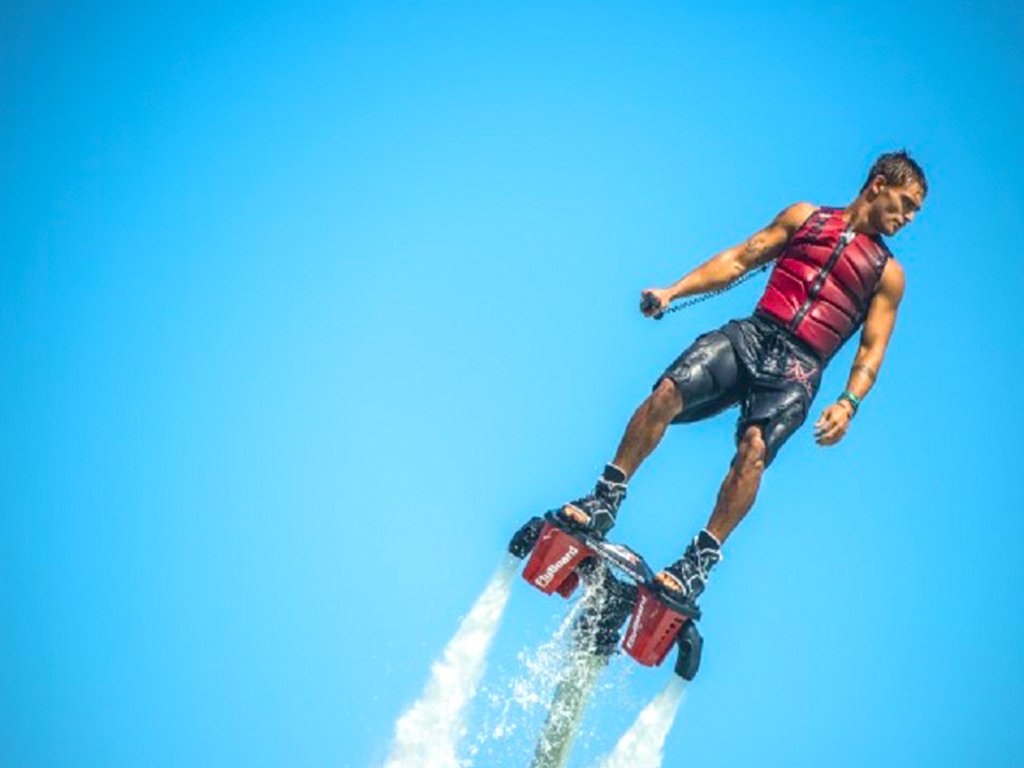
(878,327)
(732,263)
(874,339)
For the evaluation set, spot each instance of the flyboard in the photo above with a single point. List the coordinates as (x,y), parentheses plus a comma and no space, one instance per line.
(618,585)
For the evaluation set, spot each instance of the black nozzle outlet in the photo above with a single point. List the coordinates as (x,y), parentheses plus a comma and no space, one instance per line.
(525,539)
(690,646)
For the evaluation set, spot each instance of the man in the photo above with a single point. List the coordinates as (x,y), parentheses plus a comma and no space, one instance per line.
(833,273)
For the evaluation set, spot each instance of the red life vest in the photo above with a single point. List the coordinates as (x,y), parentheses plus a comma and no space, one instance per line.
(823,281)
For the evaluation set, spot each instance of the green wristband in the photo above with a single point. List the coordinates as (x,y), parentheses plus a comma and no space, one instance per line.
(854,400)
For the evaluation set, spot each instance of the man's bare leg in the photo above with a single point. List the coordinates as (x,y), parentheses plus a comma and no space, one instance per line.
(739,489)
(643,433)
(688,575)
(647,426)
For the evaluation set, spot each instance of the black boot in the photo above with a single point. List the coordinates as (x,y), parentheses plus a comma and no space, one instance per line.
(596,511)
(686,578)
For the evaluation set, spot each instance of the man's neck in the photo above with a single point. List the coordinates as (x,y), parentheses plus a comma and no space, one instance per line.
(856,216)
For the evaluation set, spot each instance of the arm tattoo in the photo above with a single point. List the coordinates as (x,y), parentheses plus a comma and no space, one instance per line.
(866,370)
(754,249)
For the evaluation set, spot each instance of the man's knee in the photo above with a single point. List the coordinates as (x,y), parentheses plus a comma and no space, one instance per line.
(665,401)
(751,452)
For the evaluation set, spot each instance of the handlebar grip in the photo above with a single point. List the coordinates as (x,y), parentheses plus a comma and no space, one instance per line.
(648,302)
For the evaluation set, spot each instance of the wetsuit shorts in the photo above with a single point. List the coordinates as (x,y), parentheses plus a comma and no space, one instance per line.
(754,363)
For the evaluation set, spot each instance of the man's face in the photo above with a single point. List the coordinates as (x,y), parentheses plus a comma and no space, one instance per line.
(892,208)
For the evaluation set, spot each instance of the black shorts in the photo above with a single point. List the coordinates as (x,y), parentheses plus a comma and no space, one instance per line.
(755,363)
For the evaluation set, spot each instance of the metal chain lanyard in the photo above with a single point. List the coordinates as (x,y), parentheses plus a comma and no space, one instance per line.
(704,296)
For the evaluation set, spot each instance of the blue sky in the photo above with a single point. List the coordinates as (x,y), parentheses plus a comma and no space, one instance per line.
(303,307)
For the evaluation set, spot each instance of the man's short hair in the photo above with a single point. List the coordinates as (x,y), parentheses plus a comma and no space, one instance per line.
(899,170)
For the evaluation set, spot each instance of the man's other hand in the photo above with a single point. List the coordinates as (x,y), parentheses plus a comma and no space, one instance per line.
(832,425)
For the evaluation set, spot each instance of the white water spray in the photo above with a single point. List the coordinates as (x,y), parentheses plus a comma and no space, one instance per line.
(642,745)
(428,734)
(515,703)
(556,682)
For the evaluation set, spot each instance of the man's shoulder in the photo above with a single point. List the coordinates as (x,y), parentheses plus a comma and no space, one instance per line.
(894,270)
(795,216)
(893,280)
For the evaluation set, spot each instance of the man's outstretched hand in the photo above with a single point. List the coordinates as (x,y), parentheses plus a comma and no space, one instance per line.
(834,421)
(656,304)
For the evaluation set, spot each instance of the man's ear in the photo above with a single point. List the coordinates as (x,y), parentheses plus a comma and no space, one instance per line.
(876,186)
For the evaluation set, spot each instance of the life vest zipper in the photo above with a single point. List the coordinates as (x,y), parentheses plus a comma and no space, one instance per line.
(845,238)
